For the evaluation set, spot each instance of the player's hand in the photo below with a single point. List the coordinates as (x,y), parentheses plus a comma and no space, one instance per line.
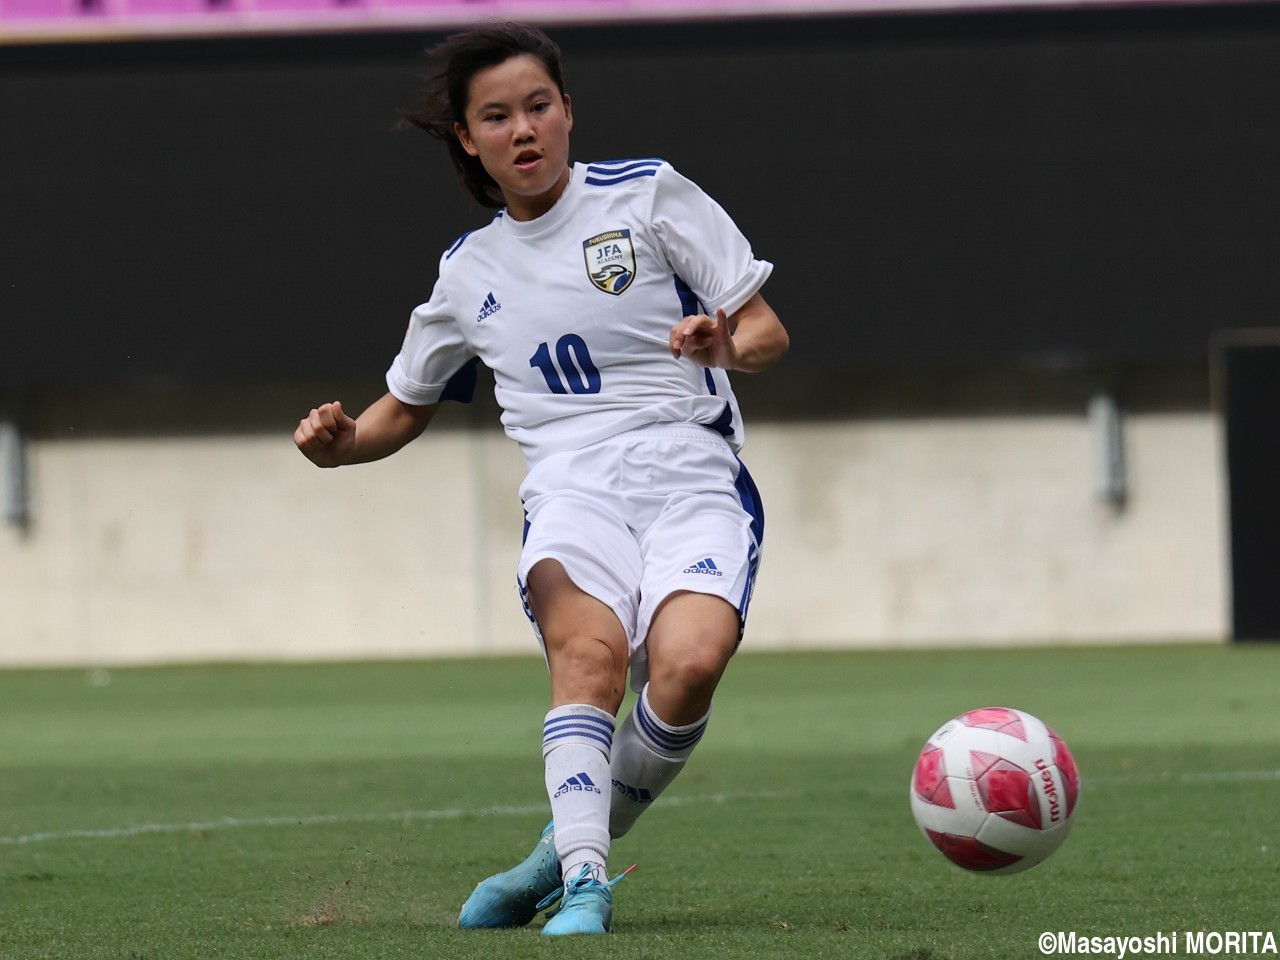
(705,340)
(326,436)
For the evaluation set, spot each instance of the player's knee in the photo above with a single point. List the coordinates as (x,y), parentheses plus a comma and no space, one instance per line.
(693,671)
(586,651)
(587,669)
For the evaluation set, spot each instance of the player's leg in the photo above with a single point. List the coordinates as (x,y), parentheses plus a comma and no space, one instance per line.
(578,573)
(586,648)
(692,637)
(690,642)
(587,655)
(701,554)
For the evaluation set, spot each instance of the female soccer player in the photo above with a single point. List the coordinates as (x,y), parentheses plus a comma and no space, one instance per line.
(610,300)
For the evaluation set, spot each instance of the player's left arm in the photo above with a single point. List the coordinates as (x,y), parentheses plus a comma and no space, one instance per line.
(750,339)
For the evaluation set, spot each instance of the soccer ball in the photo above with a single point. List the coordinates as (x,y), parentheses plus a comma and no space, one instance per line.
(995,790)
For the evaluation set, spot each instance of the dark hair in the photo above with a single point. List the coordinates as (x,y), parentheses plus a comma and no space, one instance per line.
(444,99)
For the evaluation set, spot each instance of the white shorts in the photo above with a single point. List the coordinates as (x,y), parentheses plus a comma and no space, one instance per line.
(640,516)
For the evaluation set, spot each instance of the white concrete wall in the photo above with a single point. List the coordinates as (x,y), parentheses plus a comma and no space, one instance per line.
(879,533)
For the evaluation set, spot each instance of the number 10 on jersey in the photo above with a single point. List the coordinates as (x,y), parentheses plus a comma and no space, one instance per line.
(571,367)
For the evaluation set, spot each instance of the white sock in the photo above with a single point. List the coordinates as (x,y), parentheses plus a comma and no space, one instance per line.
(576,743)
(648,753)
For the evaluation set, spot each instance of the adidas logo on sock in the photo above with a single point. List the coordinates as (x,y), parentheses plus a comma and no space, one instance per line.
(578,783)
(707,566)
(634,794)
(489,307)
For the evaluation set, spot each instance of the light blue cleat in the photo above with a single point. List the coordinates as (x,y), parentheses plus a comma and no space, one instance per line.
(586,907)
(512,899)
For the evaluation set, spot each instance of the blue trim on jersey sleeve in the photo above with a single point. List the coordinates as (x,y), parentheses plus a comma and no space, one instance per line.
(600,182)
(722,424)
(611,167)
(608,172)
(689,302)
(456,244)
(461,387)
(690,305)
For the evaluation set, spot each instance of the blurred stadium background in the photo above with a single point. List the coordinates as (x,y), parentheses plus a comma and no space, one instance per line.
(1027,252)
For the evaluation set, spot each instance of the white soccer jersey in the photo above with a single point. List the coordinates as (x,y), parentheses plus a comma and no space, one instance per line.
(572,311)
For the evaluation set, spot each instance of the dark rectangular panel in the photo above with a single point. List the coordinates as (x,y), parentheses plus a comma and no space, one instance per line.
(1063,190)
(1248,371)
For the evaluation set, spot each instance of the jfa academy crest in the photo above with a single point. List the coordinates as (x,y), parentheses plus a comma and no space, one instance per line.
(611,260)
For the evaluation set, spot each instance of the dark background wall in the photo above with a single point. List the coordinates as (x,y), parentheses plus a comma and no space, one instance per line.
(1061,190)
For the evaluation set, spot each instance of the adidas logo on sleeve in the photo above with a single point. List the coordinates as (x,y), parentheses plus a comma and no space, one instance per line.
(489,307)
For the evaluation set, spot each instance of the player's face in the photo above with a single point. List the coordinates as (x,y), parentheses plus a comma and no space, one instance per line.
(518,124)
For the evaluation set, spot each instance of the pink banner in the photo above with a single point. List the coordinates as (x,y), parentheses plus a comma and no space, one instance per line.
(51,20)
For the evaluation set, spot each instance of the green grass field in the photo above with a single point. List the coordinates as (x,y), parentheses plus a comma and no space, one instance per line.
(347,810)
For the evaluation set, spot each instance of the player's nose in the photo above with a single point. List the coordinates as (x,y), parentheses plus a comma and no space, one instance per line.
(522,129)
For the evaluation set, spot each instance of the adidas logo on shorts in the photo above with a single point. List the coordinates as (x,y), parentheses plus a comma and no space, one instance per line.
(707,566)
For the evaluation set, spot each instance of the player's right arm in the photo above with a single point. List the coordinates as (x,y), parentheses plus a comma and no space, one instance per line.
(328,437)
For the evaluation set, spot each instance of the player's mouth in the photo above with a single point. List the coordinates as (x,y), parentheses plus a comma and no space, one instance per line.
(528,159)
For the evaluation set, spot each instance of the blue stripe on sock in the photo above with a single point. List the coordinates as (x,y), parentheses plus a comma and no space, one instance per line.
(665,739)
(556,724)
(582,728)
(583,717)
(578,735)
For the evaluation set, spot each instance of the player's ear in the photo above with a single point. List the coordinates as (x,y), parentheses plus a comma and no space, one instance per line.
(464,138)
(568,111)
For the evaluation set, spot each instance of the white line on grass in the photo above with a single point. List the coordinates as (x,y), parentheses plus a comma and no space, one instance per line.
(409,816)
(403,816)
(1190,779)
